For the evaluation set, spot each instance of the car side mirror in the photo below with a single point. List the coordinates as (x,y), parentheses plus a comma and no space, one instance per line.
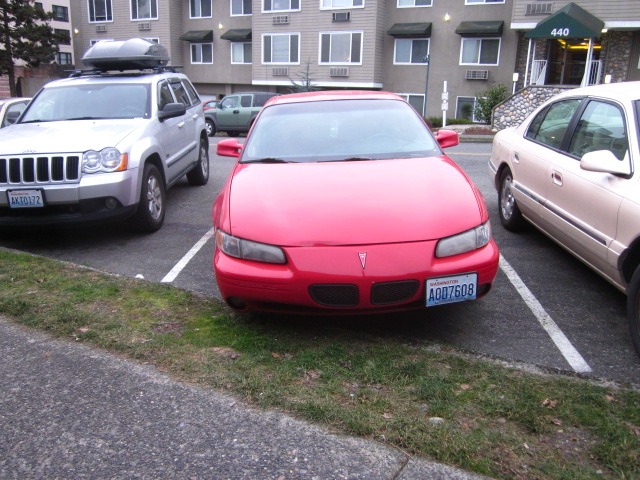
(606,162)
(11,118)
(171,110)
(229,148)
(447,138)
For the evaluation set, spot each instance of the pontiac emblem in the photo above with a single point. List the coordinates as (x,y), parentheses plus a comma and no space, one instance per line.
(363,259)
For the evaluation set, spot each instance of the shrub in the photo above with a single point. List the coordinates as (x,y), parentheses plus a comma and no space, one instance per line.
(488,99)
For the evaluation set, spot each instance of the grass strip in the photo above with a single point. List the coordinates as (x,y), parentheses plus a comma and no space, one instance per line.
(426,399)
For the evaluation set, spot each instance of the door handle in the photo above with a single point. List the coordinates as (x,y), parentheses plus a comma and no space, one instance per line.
(516,157)
(181,124)
(236,111)
(556,177)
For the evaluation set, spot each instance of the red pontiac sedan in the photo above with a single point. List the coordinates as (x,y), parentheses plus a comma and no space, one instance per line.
(344,202)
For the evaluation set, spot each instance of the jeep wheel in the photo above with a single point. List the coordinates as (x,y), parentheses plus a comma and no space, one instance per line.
(200,173)
(633,309)
(210,127)
(150,214)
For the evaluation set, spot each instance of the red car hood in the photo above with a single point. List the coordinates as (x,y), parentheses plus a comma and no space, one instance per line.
(349,203)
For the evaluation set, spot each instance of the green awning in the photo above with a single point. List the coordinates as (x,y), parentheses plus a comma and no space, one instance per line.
(198,36)
(570,21)
(410,30)
(480,29)
(237,34)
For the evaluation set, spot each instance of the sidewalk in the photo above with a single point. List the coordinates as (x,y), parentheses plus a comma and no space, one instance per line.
(69,411)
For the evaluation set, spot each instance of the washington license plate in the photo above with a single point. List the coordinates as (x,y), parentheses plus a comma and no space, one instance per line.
(25,198)
(456,288)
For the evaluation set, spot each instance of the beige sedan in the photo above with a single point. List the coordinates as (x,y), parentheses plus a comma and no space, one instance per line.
(570,170)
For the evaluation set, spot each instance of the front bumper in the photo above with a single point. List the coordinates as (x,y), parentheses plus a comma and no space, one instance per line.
(333,280)
(95,198)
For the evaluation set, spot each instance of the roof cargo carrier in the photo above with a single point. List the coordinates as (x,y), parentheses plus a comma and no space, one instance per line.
(121,55)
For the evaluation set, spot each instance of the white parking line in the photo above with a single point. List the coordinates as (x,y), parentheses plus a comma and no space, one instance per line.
(175,271)
(562,342)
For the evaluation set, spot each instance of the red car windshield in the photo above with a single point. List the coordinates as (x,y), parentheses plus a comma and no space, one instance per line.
(339,130)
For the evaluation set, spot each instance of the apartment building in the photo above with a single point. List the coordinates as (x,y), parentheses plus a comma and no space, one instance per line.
(411,47)
(583,42)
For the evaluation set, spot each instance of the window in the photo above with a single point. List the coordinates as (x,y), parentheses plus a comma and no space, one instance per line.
(414,3)
(481,2)
(200,8)
(241,7)
(416,100)
(341,47)
(601,127)
(63,58)
(480,51)
(328,4)
(60,13)
(93,42)
(280,5)
(550,125)
(202,53)
(280,48)
(241,52)
(180,92)
(411,50)
(144,9)
(63,36)
(465,108)
(100,11)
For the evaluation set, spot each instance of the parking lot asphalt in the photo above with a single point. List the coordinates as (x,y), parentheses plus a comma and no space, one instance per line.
(70,411)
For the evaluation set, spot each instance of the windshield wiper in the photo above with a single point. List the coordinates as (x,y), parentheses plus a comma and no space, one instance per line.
(350,159)
(268,160)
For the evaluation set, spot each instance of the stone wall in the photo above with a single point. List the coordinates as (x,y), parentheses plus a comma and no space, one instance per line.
(515,109)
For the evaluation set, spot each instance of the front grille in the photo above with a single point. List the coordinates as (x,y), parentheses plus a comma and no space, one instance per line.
(393,292)
(339,295)
(25,170)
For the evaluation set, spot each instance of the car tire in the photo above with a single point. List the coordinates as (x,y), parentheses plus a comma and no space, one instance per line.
(510,215)
(151,209)
(633,309)
(210,127)
(200,173)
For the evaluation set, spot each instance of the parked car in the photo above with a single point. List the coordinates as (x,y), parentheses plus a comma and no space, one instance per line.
(209,105)
(326,211)
(10,110)
(103,144)
(571,170)
(236,113)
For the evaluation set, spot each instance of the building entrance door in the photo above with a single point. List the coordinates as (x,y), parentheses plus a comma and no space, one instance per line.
(568,60)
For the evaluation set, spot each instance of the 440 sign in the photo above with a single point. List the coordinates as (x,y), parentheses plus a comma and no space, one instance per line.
(560,32)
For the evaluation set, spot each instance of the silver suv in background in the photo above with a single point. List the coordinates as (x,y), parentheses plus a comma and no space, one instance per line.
(235,113)
(105,143)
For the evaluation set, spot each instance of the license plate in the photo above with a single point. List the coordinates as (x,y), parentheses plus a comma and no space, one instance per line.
(25,198)
(456,288)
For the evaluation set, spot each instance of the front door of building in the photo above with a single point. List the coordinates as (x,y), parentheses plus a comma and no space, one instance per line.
(568,60)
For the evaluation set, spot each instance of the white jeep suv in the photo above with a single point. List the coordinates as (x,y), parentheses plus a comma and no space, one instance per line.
(105,143)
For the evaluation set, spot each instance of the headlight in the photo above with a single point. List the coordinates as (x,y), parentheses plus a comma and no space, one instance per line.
(248,250)
(106,160)
(463,242)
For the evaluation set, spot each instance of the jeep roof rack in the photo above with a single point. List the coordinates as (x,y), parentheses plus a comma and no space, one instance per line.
(121,55)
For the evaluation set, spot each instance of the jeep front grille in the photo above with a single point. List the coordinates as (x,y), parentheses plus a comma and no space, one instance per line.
(24,170)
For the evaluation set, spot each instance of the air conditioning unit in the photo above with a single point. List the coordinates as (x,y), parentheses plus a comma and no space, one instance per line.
(144,26)
(341,16)
(280,72)
(539,8)
(339,71)
(476,75)
(281,20)
(101,28)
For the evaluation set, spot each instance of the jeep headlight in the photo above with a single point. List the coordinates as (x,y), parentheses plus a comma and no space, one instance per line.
(106,160)
(472,239)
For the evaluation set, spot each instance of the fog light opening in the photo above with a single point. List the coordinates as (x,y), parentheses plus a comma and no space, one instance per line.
(237,303)
(111,203)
